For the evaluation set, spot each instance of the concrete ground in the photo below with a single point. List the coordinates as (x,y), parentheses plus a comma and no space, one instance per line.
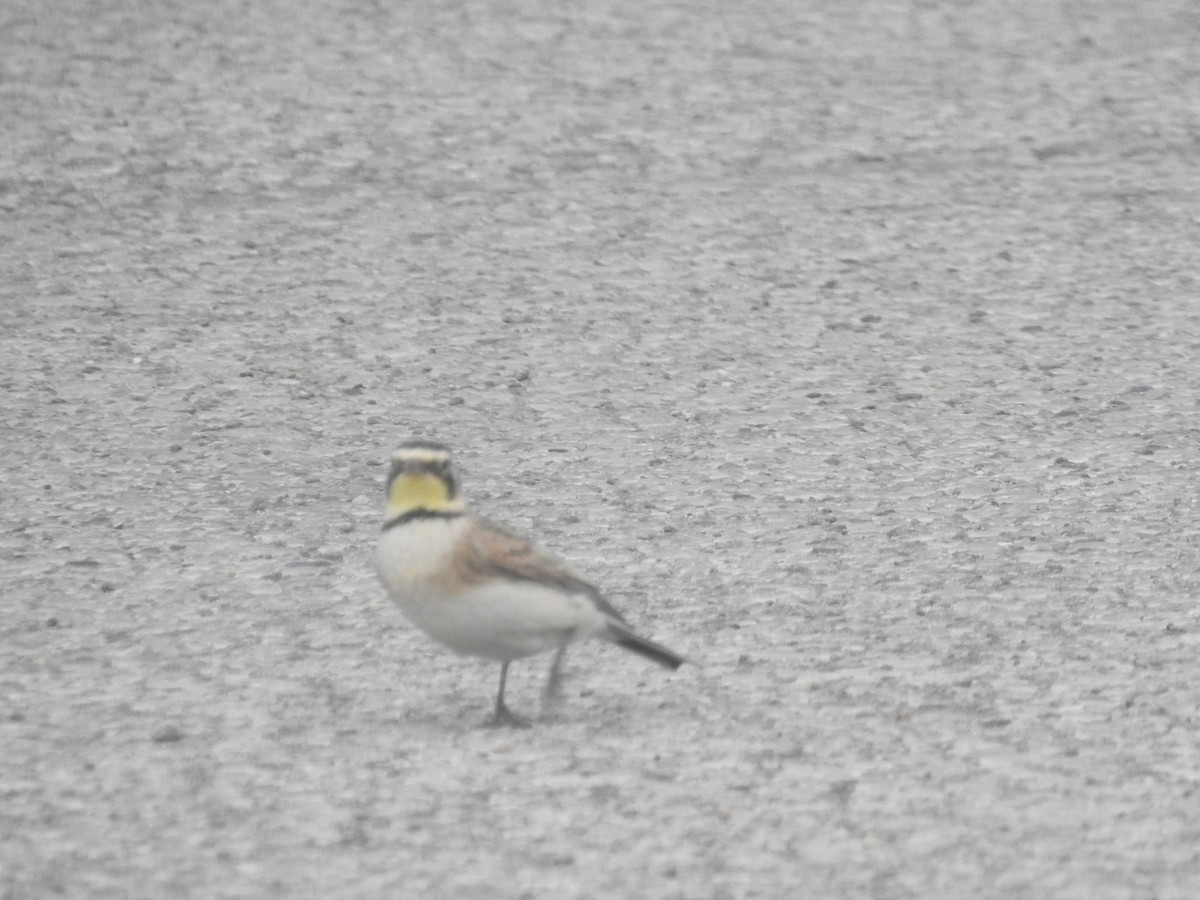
(850,347)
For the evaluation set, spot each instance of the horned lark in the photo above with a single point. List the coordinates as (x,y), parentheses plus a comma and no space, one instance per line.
(480,589)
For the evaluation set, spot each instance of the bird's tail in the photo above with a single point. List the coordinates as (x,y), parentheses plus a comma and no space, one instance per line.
(620,634)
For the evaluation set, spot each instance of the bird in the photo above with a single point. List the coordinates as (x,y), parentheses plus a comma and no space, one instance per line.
(481,589)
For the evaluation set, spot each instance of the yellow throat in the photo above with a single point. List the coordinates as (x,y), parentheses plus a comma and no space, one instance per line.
(421,490)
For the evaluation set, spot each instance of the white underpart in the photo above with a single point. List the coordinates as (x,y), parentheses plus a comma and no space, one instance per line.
(500,618)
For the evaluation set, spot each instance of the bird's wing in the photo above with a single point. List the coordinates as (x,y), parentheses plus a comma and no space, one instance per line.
(492,551)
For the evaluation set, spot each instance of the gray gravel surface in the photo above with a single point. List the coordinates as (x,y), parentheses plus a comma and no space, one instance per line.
(850,347)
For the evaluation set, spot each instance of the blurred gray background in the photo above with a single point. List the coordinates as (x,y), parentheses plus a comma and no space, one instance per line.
(850,347)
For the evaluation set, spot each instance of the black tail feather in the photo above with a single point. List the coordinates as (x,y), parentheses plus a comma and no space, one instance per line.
(620,634)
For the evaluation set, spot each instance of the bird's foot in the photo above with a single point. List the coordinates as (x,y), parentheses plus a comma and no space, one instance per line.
(504,717)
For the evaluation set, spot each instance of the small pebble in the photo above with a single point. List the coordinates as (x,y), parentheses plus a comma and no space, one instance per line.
(167,734)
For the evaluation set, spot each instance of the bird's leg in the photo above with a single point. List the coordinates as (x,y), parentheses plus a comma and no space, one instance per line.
(503,715)
(554,681)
